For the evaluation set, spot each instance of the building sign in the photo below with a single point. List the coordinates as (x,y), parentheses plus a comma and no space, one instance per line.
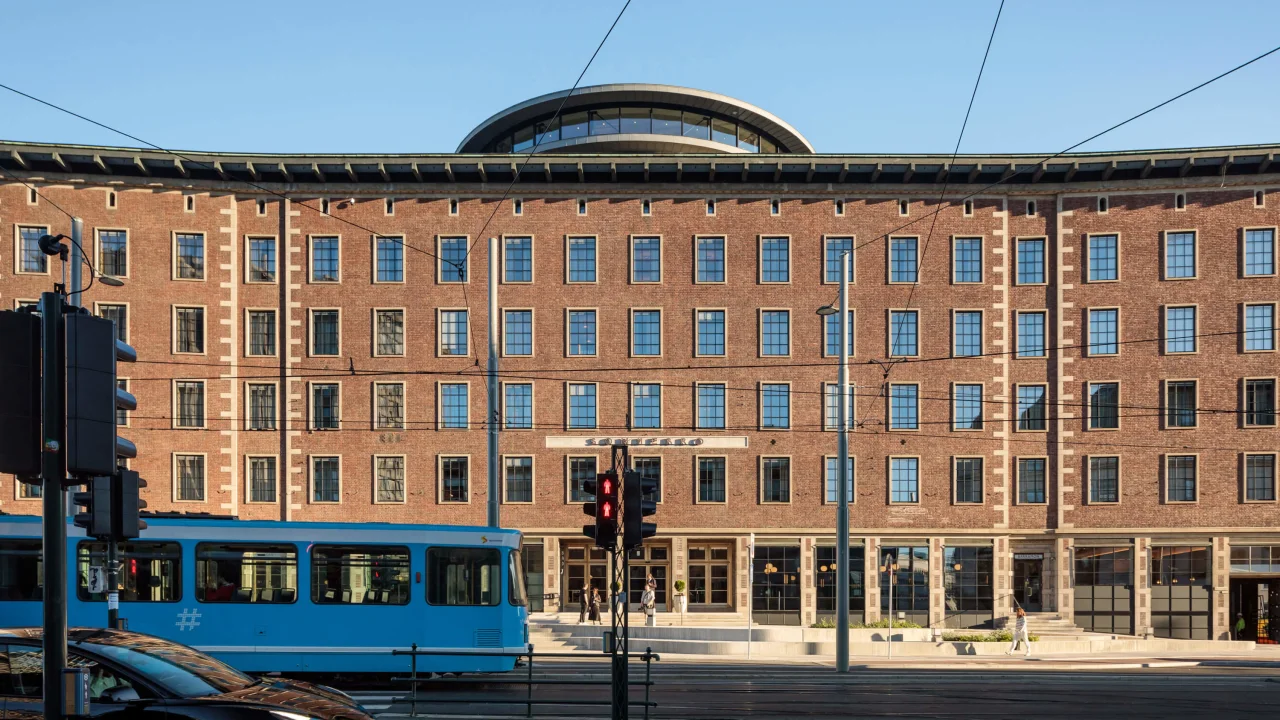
(1028,556)
(717,442)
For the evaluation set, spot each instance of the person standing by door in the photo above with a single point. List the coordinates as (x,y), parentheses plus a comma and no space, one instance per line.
(593,607)
(583,597)
(648,602)
(1020,633)
(1239,629)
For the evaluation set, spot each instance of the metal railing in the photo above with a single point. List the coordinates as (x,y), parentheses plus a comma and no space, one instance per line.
(414,679)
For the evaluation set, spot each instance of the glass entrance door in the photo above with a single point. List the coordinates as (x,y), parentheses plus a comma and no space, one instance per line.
(1026,584)
(643,563)
(775,585)
(531,558)
(585,567)
(709,577)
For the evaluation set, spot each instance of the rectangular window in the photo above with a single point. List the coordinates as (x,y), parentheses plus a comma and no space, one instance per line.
(775,406)
(517,479)
(390,253)
(389,325)
(775,333)
(242,573)
(968,481)
(646,260)
(1104,406)
(646,333)
(968,333)
(968,260)
(582,259)
(190,260)
(262,406)
(453,332)
(581,469)
(113,253)
(775,479)
(710,260)
(1104,258)
(190,401)
(582,333)
(831,407)
(1179,255)
(646,405)
(454,479)
(1259,328)
(1180,403)
(1031,262)
(711,406)
(119,314)
(711,480)
(262,333)
(967,407)
(904,406)
(835,248)
(325,333)
(1180,478)
(1259,403)
(324,260)
(325,410)
(122,415)
(454,406)
(517,403)
(775,260)
(1259,252)
(262,259)
(650,468)
(326,480)
(1260,478)
(517,335)
(517,260)
(29,491)
(389,478)
(832,475)
(262,479)
(149,572)
(1179,330)
(1031,407)
(1031,480)
(1104,332)
(1104,479)
(904,328)
(389,406)
(30,258)
(902,260)
(1031,330)
(360,574)
(904,480)
(463,576)
(190,477)
(582,406)
(189,330)
(832,326)
(453,260)
(710,333)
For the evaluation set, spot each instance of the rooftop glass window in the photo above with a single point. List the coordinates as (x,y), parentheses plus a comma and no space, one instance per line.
(639,121)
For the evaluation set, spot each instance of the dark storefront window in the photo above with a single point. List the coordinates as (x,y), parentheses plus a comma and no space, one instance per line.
(966,575)
(911,591)
(1104,589)
(825,578)
(775,585)
(21,571)
(1180,592)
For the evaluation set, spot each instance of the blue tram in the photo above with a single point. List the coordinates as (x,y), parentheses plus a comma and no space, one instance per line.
(268,596)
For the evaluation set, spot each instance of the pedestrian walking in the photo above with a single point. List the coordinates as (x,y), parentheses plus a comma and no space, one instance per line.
(1239,626)
(583,598)
(593,607)
(1020,633)
(648,603)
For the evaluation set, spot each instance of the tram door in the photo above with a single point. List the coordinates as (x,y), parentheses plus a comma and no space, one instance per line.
(585,565)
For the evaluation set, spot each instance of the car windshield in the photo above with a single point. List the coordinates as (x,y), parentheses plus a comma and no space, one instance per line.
(177,668)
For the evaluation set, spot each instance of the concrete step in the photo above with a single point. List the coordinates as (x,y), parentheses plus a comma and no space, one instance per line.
(663,619)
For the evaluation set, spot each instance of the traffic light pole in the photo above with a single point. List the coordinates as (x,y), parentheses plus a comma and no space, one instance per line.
(113,586)
(621,698)
(494,508)
(52,475)
(842,474)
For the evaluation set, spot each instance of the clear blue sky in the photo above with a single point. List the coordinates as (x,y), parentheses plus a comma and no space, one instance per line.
(852,77)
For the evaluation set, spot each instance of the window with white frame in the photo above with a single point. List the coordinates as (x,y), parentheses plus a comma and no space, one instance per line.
(710,333)
(190,477)
(775,480)
(119,314)
(1104,258)
(711,406)
(1031,334)
(390,259)
(1180,329)
(1180,403)
(775,333)
(775,406)
(966,406)
(453,332)
(582,406)
(326,480)
(113,253)
(711,480)
(1031,480)
(189,322)
(517,479)
(967,260)
(831,474)
(832,326)
(517,260)
(904,406)
(388,406)
(454,406)
(122,415)
(326,412)
(190,403)
(1104,331)
(646,260)
(1031,408)
(1260,477)
(517,326)
(1031,262)
(904,480)
(646,333)
(1104,406)
(967,333)
(582,259)
(904,328)
(581,469)
(1104,479)
(646,405)
(262,333)
(1259,252)
(1260,327)
(262,259)
(453,260)
(775,260)
(262,479)
(31,259)
(1179,255)
(1260,402)
(650,468)
(262,406)
(582,333)
(389,478)
(324,260)
(324,333)
(517,404)
(831,406)
(1180,478)
(710,267)
(835,248)
(968,480)
(903,262)
(455,480)
(389,325)
(189,264)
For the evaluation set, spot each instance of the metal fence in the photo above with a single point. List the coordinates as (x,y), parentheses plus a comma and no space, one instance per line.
(529,702)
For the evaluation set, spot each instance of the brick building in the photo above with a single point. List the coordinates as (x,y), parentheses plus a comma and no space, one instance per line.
(1064,388)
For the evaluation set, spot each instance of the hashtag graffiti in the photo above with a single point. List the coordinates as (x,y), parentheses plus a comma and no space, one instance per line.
(188,620)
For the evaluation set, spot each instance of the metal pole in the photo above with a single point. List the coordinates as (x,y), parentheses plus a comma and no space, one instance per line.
(892,578)
(494,508)
(751,559)
(53,470)
(842,492)
(113,585)
(77,263)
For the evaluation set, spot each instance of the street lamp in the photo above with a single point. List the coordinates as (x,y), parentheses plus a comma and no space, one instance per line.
(891,568)
(842,471)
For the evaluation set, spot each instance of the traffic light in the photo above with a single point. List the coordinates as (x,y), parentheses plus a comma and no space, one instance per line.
(636,508)
(96,501)
(93,396)
(20,402)
(605,509)
(125,505)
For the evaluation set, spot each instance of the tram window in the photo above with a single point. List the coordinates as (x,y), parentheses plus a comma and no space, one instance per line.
(149,571)
(360,575)
(246,573)
(463,576)
(21,572)
(515,580)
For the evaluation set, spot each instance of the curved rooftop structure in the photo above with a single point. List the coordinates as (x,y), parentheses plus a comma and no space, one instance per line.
(635,118)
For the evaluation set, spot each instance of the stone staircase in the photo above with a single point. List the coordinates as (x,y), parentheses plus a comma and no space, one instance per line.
(1052,626)
(636,619)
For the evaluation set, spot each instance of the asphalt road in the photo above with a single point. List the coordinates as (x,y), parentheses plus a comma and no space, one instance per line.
(704,691)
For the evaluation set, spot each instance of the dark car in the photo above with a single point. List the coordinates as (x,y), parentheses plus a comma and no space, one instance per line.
(142,676)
